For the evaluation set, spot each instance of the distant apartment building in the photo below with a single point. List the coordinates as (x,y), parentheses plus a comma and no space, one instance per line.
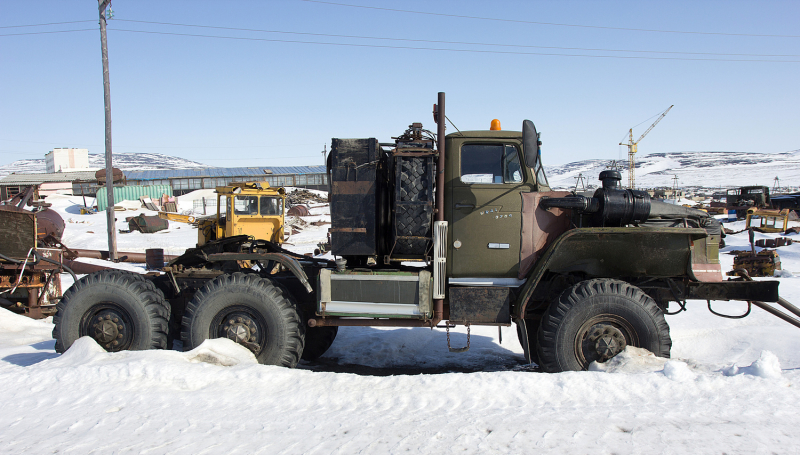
(67,160)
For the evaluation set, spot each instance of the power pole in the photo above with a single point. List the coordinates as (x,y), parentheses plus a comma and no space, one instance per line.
(675,187)
(580,182)
(112,233)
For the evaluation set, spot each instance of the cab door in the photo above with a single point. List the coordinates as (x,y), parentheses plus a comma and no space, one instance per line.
(486,210)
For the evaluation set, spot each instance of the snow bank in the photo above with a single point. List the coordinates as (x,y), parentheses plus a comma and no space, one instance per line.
(767,366)
(18,330)
(221,351)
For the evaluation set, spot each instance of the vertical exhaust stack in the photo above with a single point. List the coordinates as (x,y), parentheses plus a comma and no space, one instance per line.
(440,119)
(438,304)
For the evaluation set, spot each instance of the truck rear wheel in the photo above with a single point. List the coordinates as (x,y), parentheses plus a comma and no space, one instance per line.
(119,310)
(251,311)
(318,340)
(595,320)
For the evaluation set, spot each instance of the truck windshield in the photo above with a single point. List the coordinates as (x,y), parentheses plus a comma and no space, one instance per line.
(245,205)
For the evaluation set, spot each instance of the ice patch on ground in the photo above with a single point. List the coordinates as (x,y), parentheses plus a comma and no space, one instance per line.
(767,366)
(635,360)
(222,352)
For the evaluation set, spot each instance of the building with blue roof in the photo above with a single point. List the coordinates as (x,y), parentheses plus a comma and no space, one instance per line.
(181,181)
(185,180)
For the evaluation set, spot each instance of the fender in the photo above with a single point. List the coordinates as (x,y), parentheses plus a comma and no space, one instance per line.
(613,253)
(284,259)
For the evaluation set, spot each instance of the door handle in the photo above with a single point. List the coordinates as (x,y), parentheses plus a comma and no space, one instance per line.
(465,206)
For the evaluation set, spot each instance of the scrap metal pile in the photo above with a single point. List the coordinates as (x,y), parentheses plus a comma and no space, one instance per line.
(30,255)
(762,263)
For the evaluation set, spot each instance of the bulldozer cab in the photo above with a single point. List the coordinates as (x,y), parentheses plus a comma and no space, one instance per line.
(249,208)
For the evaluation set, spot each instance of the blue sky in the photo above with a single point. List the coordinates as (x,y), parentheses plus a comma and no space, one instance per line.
(254,98)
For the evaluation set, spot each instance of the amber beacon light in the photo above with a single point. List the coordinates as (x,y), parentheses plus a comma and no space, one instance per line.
(495,126)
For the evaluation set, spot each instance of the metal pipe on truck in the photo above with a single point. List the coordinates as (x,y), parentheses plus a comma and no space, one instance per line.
(438,304)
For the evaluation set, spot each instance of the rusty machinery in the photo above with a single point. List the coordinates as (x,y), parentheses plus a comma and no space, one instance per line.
(770,221)
(746,197)
(758,264)
(31,256)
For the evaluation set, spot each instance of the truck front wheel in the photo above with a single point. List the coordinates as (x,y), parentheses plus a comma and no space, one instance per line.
(595,320)
(251,311)
(119,310)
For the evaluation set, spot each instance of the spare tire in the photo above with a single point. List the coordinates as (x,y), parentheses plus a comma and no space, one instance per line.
(413,209)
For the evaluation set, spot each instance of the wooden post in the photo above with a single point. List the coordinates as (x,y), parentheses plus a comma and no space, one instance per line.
(112,232)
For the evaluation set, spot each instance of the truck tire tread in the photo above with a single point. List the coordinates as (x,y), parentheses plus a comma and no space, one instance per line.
(129,290)
(599,298)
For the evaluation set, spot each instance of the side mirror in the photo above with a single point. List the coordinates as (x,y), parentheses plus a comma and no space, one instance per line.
(530,144)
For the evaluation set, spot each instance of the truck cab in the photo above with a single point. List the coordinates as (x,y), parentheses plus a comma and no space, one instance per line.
(485,180)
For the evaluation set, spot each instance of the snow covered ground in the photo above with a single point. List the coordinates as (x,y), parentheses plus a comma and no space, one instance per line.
(732,386)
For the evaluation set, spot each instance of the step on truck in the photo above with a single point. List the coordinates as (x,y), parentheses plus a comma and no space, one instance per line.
(434,230)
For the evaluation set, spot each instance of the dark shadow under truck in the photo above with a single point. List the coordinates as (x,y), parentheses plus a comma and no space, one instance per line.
(429,230)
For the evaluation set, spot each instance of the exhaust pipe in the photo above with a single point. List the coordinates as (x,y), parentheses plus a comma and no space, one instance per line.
(438,304)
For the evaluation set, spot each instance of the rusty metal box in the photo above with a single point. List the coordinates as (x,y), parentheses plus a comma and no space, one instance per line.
(359,199)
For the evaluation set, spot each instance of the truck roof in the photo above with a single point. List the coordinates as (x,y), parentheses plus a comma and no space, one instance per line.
(502,134)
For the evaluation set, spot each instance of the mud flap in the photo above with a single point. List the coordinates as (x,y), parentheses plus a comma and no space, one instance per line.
(522,333)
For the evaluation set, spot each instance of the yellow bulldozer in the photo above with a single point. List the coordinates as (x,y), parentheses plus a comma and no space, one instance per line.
(249,208)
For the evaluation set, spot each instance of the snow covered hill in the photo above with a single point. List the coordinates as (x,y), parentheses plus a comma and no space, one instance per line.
(124,161)
(694,169)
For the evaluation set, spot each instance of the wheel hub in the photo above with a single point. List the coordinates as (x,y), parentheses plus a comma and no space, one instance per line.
(108,329)
(608,341)
(243,330)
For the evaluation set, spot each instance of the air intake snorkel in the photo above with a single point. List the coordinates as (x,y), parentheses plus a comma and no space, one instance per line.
(613,207)
(608,206)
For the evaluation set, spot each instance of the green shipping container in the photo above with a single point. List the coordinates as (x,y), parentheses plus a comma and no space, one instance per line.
(131,193)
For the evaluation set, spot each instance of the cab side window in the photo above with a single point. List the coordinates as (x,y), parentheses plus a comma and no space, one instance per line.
(511,168)
(271,205)
(490,163)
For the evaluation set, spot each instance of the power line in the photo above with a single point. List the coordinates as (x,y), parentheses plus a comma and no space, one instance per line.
(479,51)
(469,43)
(519,21)
(168,146)
(448,42)
(50,32)
(261,158)
(42,25)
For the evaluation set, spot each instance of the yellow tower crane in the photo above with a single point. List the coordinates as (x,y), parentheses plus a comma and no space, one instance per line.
(632,148)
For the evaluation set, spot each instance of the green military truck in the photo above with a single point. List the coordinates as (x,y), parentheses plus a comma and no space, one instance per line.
(434,230)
